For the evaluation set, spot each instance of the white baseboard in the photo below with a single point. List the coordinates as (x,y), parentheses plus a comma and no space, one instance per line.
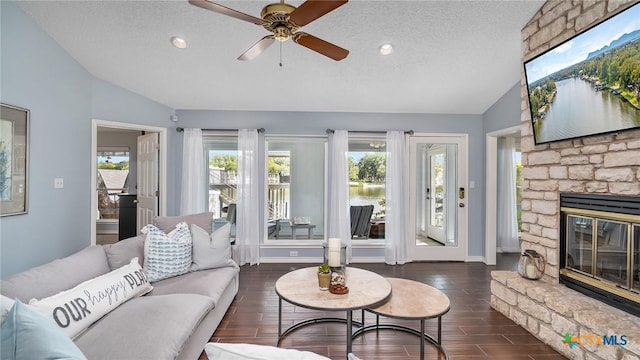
(475,259)
(315,260)
(290,259)
(376,259)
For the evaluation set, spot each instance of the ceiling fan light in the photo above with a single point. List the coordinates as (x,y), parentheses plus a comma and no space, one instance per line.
(179,42)
(386,49)
(281,33)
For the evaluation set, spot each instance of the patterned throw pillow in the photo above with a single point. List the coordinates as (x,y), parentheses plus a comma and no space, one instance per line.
(167,255)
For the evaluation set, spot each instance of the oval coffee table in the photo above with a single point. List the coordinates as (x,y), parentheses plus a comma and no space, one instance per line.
(411,300)
(300,288)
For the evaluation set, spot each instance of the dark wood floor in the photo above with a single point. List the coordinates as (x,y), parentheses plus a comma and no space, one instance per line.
(471,329)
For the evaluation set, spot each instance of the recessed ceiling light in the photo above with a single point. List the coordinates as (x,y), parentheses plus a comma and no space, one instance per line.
(386,49)
(179,42)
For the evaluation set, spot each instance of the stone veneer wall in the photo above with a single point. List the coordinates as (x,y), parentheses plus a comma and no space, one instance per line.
(608,164)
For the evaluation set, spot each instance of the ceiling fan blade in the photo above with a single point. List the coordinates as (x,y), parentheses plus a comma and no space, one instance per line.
(257,48)
(205,4)
(310,10)
(320,46)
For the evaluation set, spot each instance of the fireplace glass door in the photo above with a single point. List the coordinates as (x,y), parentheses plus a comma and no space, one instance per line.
(636,258)
(611,252)
(579,244)
(599,248)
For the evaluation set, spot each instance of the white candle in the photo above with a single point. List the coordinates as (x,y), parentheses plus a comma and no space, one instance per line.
(334,244)
(334,258)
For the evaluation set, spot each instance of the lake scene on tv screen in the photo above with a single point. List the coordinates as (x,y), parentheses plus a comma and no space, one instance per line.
(590,84)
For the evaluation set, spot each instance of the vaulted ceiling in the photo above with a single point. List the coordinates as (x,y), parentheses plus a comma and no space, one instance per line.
(449,56)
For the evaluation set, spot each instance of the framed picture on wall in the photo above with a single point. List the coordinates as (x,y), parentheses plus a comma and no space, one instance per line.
(14,158)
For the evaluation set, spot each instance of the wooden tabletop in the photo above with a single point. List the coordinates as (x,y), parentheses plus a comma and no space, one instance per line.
(413,300)
(366,289)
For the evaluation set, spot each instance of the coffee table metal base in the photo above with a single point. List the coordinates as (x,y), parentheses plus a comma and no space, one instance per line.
(349,321)
(437,342)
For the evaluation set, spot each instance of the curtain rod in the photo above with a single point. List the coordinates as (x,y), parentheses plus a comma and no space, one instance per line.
(179,129)
(331,131)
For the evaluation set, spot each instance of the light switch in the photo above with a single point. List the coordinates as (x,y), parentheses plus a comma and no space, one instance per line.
(58,183)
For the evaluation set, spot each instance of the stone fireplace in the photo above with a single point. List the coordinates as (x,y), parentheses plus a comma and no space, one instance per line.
(599,248)
(607,165)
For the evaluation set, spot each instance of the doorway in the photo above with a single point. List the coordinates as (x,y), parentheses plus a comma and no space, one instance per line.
(491,191)
(438,178)
(111,141)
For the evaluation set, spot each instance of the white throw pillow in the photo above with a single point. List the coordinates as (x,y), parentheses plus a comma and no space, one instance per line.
(223,351)
(167,255)
(211,251)
(74,310)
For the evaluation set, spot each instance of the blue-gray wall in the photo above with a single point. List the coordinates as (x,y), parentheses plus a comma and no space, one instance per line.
(37,74)
(505,113)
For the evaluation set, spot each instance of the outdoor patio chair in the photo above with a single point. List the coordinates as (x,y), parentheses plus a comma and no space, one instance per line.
(361,220)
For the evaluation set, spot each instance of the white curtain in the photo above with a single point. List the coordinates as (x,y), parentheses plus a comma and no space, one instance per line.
(248,206)
(395,243)
(507,227)
(339,216)
(193,197)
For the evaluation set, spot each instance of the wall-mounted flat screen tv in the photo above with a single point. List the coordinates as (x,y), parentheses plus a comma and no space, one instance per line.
(589,84)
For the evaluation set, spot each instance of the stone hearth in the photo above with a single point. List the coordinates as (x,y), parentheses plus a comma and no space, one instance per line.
(549,311)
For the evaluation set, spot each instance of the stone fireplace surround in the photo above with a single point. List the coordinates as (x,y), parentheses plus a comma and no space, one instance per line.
(607,164)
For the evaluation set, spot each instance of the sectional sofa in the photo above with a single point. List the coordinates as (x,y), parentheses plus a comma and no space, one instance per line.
(175,320)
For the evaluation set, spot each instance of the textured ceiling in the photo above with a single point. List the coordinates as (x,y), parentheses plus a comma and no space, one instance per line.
(450,56)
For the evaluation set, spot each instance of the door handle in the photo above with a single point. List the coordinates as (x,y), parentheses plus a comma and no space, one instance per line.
(461,204)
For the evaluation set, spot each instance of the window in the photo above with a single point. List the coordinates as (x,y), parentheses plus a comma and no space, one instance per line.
(221,155)
(113,179)
(295,194)
(367,185)
(278,179)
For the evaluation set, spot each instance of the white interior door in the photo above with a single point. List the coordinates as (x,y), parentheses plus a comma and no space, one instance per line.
(148,151)
(438,178)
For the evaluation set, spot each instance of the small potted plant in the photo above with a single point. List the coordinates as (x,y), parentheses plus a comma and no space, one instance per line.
(324,276)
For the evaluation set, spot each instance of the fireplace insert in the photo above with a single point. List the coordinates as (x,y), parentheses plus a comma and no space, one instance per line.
(600,248)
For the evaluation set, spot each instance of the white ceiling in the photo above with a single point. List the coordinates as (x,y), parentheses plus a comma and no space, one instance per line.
(450,56)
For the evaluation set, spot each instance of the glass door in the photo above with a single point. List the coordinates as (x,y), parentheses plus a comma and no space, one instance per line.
(434,175)
(438,185)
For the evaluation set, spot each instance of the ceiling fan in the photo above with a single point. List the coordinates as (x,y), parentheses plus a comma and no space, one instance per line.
(285,22)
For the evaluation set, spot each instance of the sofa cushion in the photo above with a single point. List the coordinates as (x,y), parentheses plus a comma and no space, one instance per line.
(121,253)
(211,250)
(210,283)
(56,276)
(167,255)
(27,335)
(222,351)
(76,309)
(168,223)
(5,305)
(152,327)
